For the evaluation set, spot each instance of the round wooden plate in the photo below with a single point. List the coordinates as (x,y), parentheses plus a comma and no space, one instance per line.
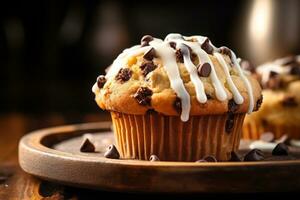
(53,154)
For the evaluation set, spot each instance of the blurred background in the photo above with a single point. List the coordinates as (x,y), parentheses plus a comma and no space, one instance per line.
(52,51)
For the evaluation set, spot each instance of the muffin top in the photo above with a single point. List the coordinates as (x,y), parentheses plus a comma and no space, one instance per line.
(177,76)
(281,82)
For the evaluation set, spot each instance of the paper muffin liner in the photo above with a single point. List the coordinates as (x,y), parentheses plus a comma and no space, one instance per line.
(252,129)
(140,136)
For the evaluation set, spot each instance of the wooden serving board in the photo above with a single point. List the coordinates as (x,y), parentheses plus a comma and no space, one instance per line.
(53,154)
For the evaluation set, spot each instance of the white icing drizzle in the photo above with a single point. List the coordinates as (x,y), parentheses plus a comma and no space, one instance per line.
(265,146)
(236,94)
(168,57)
(245,80)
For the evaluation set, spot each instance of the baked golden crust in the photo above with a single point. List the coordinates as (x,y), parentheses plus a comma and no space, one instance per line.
(119,95)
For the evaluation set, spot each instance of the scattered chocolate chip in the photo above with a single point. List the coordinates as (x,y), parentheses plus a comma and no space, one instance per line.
(153,158)
(210,159)
(254,155)
(225,51)
(145,40)
(87,146)
(267,137)
(232,106)
(234,157)
(273,74)
(147,67)
(295,70)
(281,149)
(246,65)
(173,45)
(112,152)
(207,47)
(289,101)
(101,80)
(143,96)
(177,105)
(258,103)
(149,55)
(229,122)
(204,70)
(200,160)
(124,75)
(179,56)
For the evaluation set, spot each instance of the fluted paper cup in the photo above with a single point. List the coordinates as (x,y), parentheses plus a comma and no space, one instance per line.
(140,136)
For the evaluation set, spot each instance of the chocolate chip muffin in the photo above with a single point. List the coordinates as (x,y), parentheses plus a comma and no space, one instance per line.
(180,98)
(280,111)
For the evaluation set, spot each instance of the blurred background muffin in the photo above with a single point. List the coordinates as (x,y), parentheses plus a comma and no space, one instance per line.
(280,110)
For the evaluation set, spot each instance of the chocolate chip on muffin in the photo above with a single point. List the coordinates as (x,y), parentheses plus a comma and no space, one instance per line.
(147,67)
(179,56)
(254,155)
(232,106)
(289,101)
(258,103)
(207,47)
(124,75)
(295,70)
(177,105)
(172,45)
(204,70)
(101,80)
(273,74)
(143,96)
(149,55)
(145,40)
(229,122)
(210,159)
(225,51)
(112,152)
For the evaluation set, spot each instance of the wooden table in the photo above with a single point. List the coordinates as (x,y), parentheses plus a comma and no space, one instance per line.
(16,184)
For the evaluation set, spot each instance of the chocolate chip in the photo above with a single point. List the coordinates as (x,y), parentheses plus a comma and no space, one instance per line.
(200,160)
(147,67)
(101,80)
(295,70)
(172,45)
(204,70)
(246,65)
(208,96)
(153,158)
(289,101)
(207,47)
(267,137)
(229,122)
(273,83)
(225,51)
(112,152)
(232,106)
(254,155)
(87,146)
(149,55)
(143,96)
(145,40)
(179,56)
(177,105)
(234,157)
(124,75)
(258,103)
(281,149)
(210,159)
(273,74)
